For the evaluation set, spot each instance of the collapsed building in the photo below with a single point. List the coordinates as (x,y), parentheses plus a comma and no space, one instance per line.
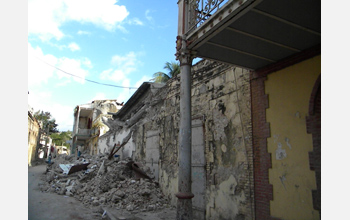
(98,182)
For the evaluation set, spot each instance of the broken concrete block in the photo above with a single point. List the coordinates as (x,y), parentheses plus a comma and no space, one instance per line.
(50,176)
(145,192)
(95,203)
(151,207)
(120,193)
(130,207)
(116,199)
(102,169)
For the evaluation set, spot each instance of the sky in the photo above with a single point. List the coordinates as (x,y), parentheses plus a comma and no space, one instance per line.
(121,43)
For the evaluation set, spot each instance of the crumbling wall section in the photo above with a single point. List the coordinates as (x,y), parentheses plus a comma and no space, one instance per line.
(221,100)
(224,98)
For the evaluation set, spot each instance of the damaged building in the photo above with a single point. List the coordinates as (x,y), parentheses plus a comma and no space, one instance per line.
(255,112)
(88,123)
(148,123)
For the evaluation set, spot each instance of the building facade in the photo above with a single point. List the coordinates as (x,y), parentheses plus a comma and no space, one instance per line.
(280,43)
(33,137)
(89,124)
(222,157)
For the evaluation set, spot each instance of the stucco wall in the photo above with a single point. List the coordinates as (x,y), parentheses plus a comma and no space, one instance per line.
(289,93)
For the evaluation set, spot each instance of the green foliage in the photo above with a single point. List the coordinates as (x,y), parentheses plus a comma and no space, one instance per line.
(49,123)
(59,139)
(173,69)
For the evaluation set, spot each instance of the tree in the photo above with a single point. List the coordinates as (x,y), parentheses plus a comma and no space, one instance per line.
(173,69)
(48,123)
(60,139)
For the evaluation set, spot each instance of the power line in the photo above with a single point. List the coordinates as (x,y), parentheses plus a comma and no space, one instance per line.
(104,84)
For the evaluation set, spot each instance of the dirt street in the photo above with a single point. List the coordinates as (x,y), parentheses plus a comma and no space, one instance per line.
(50,206)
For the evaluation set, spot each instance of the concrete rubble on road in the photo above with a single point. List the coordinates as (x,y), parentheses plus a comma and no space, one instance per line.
(105,183)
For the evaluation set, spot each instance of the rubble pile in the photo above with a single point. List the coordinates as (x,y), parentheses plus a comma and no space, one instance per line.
(108,183)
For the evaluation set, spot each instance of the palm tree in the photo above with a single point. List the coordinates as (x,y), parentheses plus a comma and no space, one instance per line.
(173,69)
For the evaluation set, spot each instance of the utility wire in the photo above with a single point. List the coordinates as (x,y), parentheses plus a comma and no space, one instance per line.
(104,84)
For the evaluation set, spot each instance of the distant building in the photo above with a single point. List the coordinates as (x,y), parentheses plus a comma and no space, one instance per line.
(89,125)
(33,137)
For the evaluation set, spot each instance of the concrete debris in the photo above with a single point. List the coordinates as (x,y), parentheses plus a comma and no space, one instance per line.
(107,183)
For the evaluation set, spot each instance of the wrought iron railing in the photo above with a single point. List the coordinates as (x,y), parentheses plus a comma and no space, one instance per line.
(201,10)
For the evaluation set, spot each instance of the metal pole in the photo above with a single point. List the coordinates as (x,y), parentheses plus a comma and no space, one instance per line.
(184,204)
(184,195)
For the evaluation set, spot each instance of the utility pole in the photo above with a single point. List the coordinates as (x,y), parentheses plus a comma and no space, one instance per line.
(184,195)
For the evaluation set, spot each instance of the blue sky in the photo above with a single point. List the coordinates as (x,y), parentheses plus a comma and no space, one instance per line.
(115,42)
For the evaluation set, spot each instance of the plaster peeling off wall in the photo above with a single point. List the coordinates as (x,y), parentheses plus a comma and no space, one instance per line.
(224,200)
(290,144)
(221,103)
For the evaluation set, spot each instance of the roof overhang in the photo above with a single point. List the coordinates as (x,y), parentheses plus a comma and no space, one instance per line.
(258,33)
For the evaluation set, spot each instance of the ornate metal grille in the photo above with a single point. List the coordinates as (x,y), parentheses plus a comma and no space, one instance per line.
(201,10)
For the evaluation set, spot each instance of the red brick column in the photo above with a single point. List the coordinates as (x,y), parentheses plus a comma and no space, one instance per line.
(313,125)
(261,131)
(262,159)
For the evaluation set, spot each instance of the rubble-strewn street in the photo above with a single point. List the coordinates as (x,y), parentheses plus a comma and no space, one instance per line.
(107,188)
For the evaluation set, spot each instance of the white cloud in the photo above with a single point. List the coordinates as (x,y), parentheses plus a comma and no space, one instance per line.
(73,46)
(61,113)
(41,67)
(142,80)
(125,94)
(124,66)
(71,66)
(98,96)
(80,32)
(38,71)
(135,21)
(148,17)
(45,17)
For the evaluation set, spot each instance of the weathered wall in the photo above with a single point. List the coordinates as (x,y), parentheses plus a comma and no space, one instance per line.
(221,111)
(107,141)
(222,94)
(289,93)
(83,122)
(221,100)
(33,135)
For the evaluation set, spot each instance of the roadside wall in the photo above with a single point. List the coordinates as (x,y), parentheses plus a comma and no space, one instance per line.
(222,160)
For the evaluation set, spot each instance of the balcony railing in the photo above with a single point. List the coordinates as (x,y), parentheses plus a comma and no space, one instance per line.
(201,10)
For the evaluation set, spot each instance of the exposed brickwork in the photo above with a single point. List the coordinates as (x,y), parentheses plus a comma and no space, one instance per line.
(261,131)
(262,159)
(313,122)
